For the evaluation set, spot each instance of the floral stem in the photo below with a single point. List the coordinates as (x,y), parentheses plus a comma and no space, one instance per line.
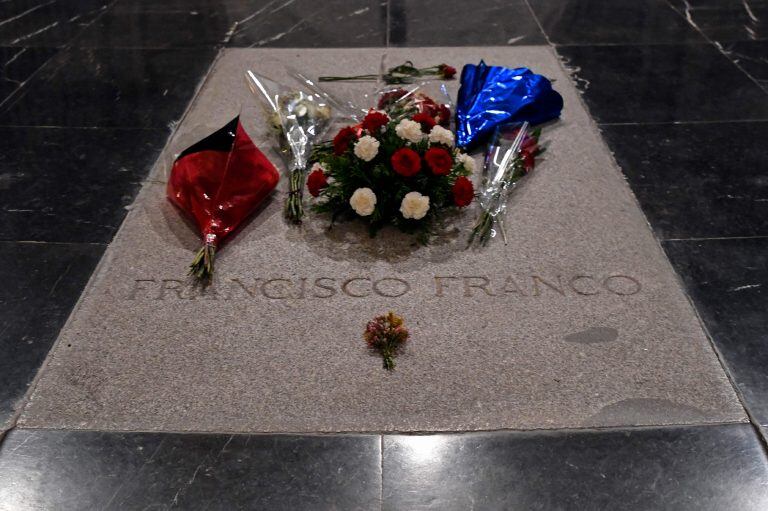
(345,78)
(202,266)
(294,208)
(404,73)
(389,359)
(482,230)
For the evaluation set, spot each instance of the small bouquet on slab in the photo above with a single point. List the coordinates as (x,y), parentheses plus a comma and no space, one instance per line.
(511,156)
(406,72)
(299,120)
(386,334)
(218,183)
(402,171)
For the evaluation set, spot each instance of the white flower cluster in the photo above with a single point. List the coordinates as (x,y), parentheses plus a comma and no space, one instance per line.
(363,201)
(367,148)
(467,161)
(440,135)
(409,130)
(414,205)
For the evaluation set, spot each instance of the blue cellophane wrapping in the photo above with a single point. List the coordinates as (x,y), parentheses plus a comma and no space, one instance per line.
(494,95)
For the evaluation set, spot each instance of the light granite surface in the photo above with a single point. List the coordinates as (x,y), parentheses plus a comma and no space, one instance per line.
(578,322)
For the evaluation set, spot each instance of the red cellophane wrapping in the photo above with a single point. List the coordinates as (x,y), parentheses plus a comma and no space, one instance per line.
(218,183)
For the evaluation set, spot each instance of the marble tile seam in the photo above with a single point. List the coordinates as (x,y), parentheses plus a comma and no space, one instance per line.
(616,170)
(687,43)
(538,23)
(219,45)
(12,96)
(384,433)
(104,128)
(682,123)
(715,238)
(106,258)
(686,16)
(388,25)
(38,242)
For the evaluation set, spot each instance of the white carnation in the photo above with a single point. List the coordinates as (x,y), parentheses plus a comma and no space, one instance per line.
(414,205)
(409,130)
(363,201)
(317,166)
(440,135)
(467,161)
(367,148)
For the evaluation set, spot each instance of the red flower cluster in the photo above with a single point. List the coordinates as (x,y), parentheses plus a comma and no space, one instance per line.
(528,152)
(316,181)
(439,160)
(427,121)
(342,140)
(374,121)
(406,162)
(463,192)
(390,98)
(440,113)
(445,71)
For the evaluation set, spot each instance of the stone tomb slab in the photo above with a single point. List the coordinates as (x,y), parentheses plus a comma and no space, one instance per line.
(578,322)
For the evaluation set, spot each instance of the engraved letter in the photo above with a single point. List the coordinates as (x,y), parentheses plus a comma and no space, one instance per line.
(251,292)
(619,289)
(583,291)
(176,286)
(536,291)
(439,284)
(138,287)
(345,287)
(405,287)
(302,287)
(510,286)
(265,290)
(320,285)
(484,283)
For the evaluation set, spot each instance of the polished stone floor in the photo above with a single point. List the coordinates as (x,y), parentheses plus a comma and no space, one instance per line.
(90,90)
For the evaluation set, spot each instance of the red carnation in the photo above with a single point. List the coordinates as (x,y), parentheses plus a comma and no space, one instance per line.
(390,98)
(439,160)
(463,192)
(316,182)
(528,160)
(528,152)
(426,121)
(428,106)
(406,162)
(446,71)
(342,140)
(443,116)
(374,121)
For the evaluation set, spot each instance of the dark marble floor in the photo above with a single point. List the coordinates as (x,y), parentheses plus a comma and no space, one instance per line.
(89,92)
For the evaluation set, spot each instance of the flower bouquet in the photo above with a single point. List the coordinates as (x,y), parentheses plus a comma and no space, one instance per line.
(218,183)
(386,334)
(511,156)
(404,73)
(492,96)
(298,120)
(399,168)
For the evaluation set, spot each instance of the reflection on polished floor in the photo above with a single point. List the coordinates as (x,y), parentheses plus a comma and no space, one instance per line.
(91,91)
